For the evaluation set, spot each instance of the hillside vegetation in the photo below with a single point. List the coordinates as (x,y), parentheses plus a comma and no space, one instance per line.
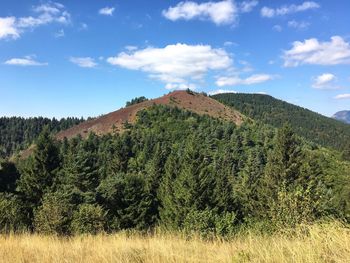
(177,170)
(18,133)
(313,126)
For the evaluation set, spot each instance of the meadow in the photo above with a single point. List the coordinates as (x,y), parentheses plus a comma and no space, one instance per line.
(307,244)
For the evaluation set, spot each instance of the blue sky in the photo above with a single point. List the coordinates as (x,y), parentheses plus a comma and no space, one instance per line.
(86,58)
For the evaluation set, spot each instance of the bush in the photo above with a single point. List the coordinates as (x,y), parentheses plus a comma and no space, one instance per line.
(12,214)
(207,223)
(89,219)
(54,215)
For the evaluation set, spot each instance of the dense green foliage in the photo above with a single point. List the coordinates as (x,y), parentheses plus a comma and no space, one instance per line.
(177,170)
(313,126)
(135,101)
(18,133)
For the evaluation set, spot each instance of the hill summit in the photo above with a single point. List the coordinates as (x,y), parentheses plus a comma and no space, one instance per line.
(191,101)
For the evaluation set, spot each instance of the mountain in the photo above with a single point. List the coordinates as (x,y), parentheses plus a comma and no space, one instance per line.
(343,116)
(115,121)
(308,124)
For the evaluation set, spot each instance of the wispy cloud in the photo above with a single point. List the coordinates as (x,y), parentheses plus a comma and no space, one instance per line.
(301,25)
(312,51)
(277,28)
(175,65)
(248,6)
(59,33)
(12,27)
(84,62)
(342,96)
(221,91)
(25,61)
(236,80)
(107,11)
(285,10)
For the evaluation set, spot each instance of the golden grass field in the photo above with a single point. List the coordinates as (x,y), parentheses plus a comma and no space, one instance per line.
(322,243)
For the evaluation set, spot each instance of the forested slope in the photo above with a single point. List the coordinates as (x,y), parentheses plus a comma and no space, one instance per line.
(178,170)
(313,126)
(18,133)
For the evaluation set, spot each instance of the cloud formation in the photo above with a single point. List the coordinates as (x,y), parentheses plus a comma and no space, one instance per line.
(285,10)
(342,96)
(26,61)
(84,62)
(236,80)
(107,11)
(175,65)
(248,6)
(302,25)
(221,13)
(12,27)
(221,91)
(312,51)
(325,81)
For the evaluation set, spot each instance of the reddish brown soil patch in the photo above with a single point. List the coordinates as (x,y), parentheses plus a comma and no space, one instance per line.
(114,121)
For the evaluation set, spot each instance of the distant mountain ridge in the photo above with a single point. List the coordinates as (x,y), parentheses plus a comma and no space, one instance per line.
(314,127)
(343,116)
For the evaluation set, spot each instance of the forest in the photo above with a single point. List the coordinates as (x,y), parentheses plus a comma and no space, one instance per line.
(308,124)
(17,133)
(178,171)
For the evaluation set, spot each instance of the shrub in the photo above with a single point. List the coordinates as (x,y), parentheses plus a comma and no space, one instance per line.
(12,214)
(54,215)
(89,219)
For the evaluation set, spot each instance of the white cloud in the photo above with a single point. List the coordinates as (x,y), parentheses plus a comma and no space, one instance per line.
(277,28)
(325,81)
(342,96)
(12,27)
(46,13)
(285,10)
(176,64)
(84,62)
(220,13)
(220,91)
(26,61)
(180,86)
(302,25)
(8,28)
(248,6)
(107,11)
(311,51)
(236,80)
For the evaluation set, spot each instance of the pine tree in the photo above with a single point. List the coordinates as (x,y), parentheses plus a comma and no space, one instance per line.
(39,174)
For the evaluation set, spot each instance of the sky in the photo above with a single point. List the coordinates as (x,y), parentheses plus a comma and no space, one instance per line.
(86,58)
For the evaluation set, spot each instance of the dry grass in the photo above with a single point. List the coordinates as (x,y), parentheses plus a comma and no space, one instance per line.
(326,243)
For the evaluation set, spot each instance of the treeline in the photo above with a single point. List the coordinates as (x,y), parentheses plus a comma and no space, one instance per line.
(136,101)
(18,133)
(177,170)
(313,126)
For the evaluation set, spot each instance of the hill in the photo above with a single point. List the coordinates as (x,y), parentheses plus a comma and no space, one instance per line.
(311,125)
(343,116)
(115,121)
